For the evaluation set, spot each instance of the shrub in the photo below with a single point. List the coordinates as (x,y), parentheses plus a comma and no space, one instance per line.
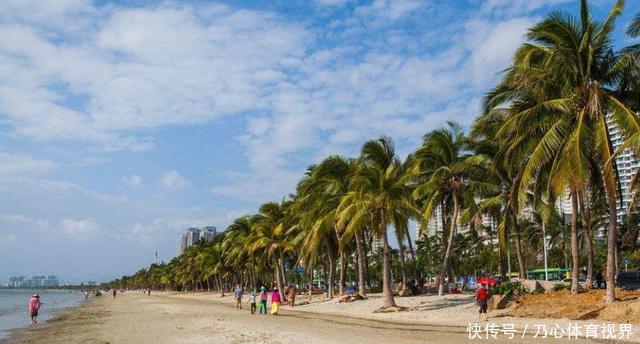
(510,289)
(560,286)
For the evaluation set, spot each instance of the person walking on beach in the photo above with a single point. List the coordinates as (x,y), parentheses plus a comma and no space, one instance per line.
(86,295)
(292,296)
(114,291)
(263,300)
(252,301)
(238,297)
(34,306)
(275,301)
(482,295)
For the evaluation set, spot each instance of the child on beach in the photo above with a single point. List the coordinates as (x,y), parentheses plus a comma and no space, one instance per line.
(238,297)
(34,306)
(275,301)
(263,300)
(252,301)
(482,295)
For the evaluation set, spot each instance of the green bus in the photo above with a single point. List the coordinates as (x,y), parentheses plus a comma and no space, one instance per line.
(554,274)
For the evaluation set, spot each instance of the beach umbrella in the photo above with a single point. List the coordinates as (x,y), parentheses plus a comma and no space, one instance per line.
(486,280)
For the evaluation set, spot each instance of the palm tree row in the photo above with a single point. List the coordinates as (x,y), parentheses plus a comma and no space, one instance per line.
(544,135)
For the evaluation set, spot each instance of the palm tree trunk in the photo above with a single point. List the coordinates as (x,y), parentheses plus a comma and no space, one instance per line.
(521,267)
(585,211)
(221,286)
(343,272)
(280,282)
(611,250)
(575,253)
(403,269)
(332,270)
(367,270)
(282,271)
(310,281)
(387,292)
(447,253)
(502,249)
(361,263)
(413,257)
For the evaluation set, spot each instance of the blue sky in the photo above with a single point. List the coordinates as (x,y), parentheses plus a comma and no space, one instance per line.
(123,123)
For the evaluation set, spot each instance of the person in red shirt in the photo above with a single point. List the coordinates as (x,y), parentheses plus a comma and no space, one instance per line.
(482,295)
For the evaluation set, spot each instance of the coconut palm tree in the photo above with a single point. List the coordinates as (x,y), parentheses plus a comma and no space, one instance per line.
(235,246)
(504,174)
(633,30)
(443,179)
(378,195)
(562,87)
(319,195)
(269,236)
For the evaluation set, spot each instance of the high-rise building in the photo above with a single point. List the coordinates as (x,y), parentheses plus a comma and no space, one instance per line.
(627,165)
(208,233)
(33,282)
(376,244)
(192,235)
(183,242)
(434,227)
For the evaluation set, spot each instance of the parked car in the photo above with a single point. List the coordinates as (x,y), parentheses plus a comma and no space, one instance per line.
(628,280)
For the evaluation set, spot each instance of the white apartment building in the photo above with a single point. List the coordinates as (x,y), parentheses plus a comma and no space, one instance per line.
(628,165)
(192,235)
(434,227)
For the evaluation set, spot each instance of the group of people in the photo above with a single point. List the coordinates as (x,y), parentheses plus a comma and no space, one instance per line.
(262,298)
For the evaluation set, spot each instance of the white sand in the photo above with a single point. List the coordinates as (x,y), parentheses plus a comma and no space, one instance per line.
(207,318)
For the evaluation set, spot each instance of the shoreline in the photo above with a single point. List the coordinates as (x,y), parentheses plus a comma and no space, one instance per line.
(16,333)
(169,317)
(56,303)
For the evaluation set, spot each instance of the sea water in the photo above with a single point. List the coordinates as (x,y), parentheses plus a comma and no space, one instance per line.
(13,306)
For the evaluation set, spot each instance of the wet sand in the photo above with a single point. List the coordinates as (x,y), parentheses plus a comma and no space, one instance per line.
(137,318)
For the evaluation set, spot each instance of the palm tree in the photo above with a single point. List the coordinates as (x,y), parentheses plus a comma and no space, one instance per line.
(561,88)
(633,30)
(235,245)
(504,173)
(319,195)
(443,180)
(269,236)
(378,195)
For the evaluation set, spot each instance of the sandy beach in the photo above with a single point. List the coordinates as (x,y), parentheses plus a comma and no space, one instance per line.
(208,318)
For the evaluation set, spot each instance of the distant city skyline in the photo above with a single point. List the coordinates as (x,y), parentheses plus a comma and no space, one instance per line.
(35,281)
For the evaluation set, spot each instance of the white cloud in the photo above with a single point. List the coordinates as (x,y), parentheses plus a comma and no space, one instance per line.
(27,223)
(389,9)
(492,45)
(516,7)
(79,229)
(173,180)
(331,2)
(132,180)
(23,164)
(76,229)
(140,69)
(8,239)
